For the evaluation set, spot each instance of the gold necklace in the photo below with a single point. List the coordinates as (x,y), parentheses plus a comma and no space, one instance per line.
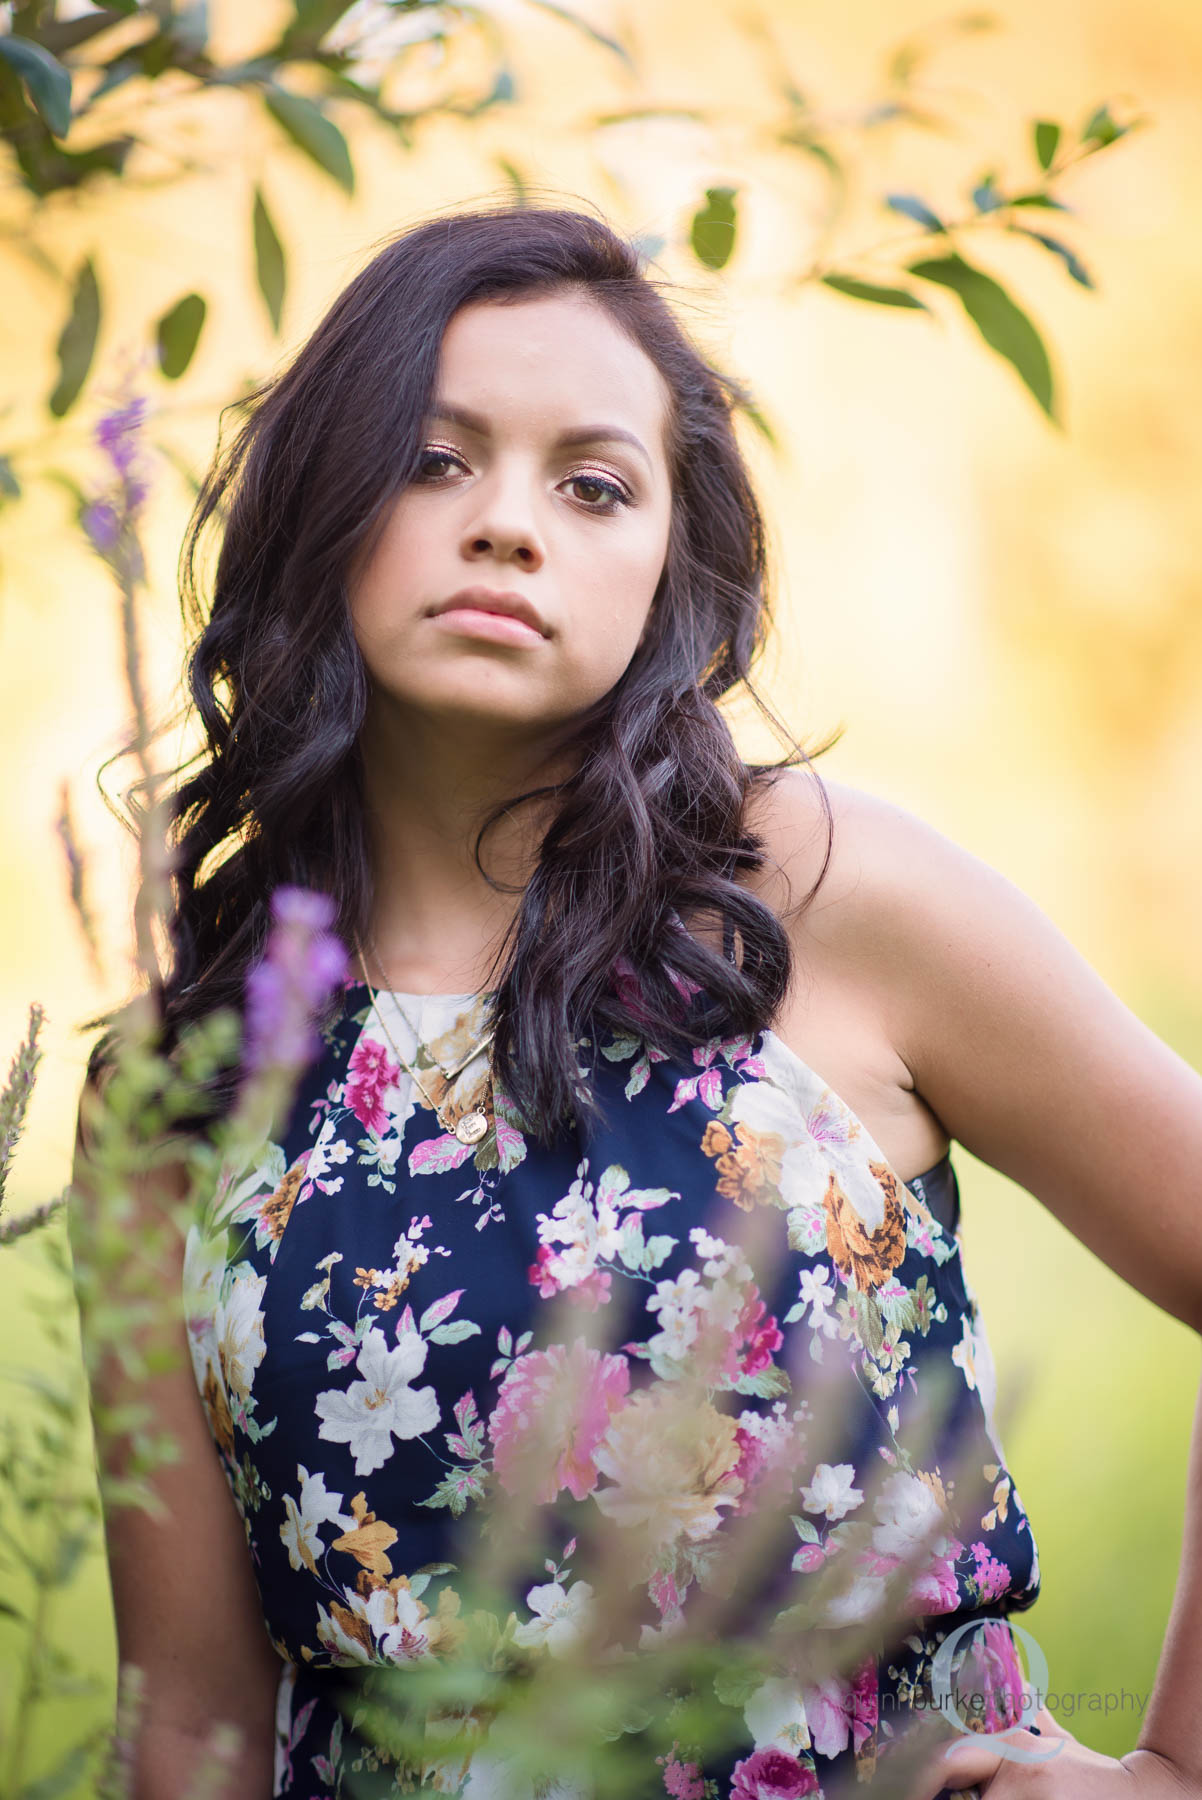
(473,1125)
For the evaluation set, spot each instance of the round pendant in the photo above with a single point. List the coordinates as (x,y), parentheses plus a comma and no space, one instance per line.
(471,1127)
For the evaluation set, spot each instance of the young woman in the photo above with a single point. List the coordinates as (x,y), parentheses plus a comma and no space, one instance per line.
(631,1028)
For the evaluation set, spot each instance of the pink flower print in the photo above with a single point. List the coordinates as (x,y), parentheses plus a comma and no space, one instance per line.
(666,1594)
(541,1275)
(992,1669)
(754,1338)
(557,1403)
(838,1710)
(591,1293)
(808,1557)
(865,1703)
(935,1588)
(630,992)
(993,1576)
(371,1072)
(934,1591)
(772,1775)
(831,1122)
(753,1455)
(683,1780)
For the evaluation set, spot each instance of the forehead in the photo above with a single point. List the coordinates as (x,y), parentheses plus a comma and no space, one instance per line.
(551,361)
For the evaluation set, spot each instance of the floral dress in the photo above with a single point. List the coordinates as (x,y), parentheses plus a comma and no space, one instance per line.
(370,1308)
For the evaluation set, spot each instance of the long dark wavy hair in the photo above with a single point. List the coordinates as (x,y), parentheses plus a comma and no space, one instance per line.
(648,830)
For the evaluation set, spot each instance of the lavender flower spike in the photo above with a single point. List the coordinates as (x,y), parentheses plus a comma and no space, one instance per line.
(303,965)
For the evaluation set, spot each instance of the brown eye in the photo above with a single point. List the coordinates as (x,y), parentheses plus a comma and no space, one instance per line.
(436,465)
(598,494)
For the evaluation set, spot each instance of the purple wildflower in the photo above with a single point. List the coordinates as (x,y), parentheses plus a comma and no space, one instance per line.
(109,520)
(118,433)
(102,526)
(303,964)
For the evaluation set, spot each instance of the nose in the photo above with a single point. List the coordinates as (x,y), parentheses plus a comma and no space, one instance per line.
(504,528)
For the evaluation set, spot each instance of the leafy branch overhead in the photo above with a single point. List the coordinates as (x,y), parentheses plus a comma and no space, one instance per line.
(74,115)
(1002,323)
(72,112)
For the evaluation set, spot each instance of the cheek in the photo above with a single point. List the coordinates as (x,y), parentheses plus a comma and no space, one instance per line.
(379,590)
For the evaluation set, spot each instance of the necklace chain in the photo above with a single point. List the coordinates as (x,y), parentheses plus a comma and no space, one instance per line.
(473,1125)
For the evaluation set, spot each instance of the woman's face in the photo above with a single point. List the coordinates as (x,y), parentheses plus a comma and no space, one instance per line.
(513,579)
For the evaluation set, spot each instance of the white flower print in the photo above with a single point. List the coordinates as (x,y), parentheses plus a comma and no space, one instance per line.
(832,1491)
(317,1507)
(233,1188)
(371,1412)
(493,1776)
(562,1615)
(203,1273)
(817,1293)
(907,1511)
(329,1151)
(398,1624)
(573,1223)
(776,1716)
(723,1261)
(677,1304)
(863,1598)
(817,1131)
(240,1342)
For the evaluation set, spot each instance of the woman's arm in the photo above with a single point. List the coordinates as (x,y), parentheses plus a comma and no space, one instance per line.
(1017,1045)
(1036,1066)
(187,1609)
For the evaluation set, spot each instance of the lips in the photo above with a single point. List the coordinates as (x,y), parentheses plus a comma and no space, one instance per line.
(492,600)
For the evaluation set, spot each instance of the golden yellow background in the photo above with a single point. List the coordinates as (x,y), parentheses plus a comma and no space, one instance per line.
(1005,619)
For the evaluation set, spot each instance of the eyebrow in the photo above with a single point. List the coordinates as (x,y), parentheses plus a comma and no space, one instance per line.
(567,440)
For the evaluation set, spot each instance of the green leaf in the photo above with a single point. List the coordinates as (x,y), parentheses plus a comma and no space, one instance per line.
(1068,256)
(1102,128)
(869,290)
(178,333)
(1003,325)
(1045,200)
(77,340)
(752,412)
(765,1384)
(1047,140)
(312,132)
(454,1332)
(734,1687)
(519,192)
(713,231)
(911,207)
(47,82)
(986,197)
(10,487)
(314,18)
(270,269)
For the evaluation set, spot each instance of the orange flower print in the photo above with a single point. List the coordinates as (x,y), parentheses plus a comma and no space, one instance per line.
(369,1540)
(749,1170)
(278,1210)
(869,1257)
(217,1408)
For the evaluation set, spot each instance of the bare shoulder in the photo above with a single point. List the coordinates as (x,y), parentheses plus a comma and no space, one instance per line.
(840,862)
(1007,1034)
(926,937)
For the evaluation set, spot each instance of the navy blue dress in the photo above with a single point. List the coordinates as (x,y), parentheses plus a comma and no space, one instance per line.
(389,1328)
